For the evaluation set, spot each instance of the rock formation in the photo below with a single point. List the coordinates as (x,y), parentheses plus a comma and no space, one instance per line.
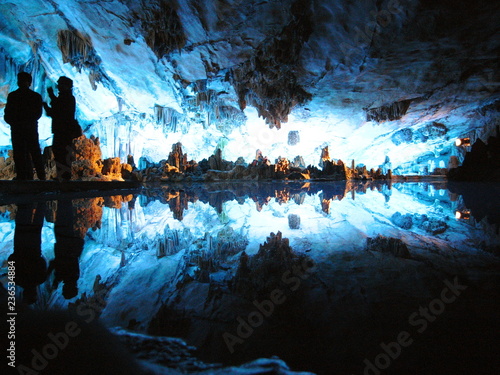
(481,163)
(394,246)
(373,79)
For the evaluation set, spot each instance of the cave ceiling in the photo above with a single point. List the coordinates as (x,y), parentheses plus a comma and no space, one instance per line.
(353,73)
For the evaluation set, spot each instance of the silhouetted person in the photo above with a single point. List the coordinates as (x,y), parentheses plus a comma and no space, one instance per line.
(64,125)
(22,111)
(31,268)
(67,249)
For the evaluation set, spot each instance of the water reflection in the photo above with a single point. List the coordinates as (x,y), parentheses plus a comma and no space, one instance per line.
(216,194)
(72,218)
(199,262)
(67,249)
(31,267)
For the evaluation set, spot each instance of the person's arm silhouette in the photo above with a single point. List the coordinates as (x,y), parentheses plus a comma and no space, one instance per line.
(53,98)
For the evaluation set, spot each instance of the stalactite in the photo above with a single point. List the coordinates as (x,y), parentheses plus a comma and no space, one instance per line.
(163,28)
(212,110)
(388,112)
(268,80)
(77,49)
(9,69)
(170,120)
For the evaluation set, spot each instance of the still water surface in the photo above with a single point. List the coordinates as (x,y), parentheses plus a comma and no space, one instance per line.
(324,294)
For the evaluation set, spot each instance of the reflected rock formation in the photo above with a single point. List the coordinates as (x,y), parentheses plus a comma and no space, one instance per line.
(179,196)
(321,295)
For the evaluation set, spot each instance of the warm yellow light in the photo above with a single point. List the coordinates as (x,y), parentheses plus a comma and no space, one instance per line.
(462,142)
(462,215)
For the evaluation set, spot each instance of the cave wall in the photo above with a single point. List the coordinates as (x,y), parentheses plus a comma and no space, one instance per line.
(348,75)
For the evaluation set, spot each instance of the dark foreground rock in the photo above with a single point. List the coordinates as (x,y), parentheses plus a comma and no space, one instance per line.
(168,355)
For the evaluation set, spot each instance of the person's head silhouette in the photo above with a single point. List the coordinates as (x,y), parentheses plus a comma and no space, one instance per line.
(24,80)
(64,84)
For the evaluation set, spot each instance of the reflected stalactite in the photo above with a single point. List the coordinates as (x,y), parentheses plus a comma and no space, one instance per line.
(205,255)
(93,303)
(282,196)
(172,241)
(325,205)
(394,246)
(178,197)
(259,274)
(298,198)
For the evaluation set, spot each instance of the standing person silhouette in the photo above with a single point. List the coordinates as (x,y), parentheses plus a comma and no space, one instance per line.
(64,125)
(22,111)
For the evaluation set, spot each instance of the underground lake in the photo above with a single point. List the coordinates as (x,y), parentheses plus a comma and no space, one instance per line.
(324,277)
